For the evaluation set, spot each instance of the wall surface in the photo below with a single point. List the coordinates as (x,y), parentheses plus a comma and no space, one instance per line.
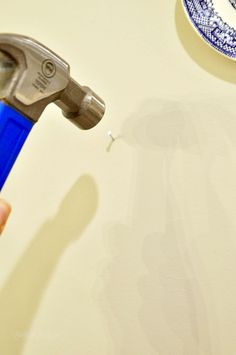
(126,248)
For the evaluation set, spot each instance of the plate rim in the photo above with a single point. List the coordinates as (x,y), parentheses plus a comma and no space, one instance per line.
(203,36)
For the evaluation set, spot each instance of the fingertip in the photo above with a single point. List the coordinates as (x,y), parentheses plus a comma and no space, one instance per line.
(5,210)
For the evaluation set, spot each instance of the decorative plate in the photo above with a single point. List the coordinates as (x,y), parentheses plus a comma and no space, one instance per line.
(215,21)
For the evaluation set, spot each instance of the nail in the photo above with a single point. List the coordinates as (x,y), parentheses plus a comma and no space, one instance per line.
(109,133)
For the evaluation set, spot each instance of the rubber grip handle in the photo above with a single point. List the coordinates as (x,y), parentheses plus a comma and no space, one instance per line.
(14,129)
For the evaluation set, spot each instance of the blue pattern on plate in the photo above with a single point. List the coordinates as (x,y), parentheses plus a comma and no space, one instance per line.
(211,26)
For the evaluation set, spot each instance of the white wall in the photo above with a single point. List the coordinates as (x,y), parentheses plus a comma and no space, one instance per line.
(129,248)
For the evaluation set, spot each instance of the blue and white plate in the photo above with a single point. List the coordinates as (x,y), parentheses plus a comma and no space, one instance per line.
(215,21)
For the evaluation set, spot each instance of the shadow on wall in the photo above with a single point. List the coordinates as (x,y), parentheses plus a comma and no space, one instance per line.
(163,310)
(21,295)
(173,308)
(205,56)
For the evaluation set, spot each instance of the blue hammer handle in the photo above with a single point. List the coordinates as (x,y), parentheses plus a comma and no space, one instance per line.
(14,129)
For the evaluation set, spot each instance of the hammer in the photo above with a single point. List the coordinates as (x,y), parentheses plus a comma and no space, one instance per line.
(31,77)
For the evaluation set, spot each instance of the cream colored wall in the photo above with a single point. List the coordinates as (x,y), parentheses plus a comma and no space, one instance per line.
(127,249)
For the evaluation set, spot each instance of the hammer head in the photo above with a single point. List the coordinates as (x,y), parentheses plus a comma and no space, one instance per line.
(32,76)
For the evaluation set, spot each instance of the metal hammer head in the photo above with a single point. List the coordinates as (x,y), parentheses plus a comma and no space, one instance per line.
(32,76)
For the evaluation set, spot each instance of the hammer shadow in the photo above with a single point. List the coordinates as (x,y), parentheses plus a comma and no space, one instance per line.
(22,293)
(200,52)
(165,308)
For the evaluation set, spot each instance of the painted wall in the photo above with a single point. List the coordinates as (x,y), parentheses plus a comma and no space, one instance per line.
(126,248)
